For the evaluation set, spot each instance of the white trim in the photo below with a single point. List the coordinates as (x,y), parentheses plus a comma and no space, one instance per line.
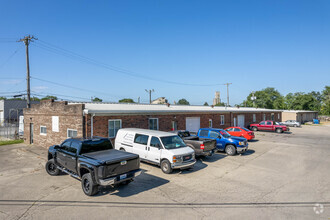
(120,126)
(153,119)
(42,126)
(222,119)
(67,132)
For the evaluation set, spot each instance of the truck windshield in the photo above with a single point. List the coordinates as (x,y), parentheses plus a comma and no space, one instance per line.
(95,145)
(172,142)
(225,134)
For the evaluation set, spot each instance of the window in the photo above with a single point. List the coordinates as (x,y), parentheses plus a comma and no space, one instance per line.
(141,139)
(278,116)
(214,134)
(264,117)
(230,129)
(66,146)
(95,145)
(155,142)
(204,133)
(272,116)
(43,130)
(114,126)
(254,118)
(237,129)
(222,119)
(210,123)
(153,123)
(262,123)
(269,123)
(71,133)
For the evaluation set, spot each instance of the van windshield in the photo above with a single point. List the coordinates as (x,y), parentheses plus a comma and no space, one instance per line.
(95,145)
(172,142)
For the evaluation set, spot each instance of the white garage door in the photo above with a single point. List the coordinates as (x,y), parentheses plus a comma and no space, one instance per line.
(193,124)
(240,120)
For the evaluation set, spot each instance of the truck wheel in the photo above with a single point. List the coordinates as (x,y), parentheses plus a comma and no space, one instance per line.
(254,129)
(278,130)
(165,165)
(51,168)
(88,186)
(295,126)
(230,150)
(122,149)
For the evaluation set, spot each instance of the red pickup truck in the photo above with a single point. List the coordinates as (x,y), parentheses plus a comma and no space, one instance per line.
(269,126)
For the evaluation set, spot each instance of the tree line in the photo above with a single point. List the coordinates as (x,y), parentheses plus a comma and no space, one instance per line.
(270,98)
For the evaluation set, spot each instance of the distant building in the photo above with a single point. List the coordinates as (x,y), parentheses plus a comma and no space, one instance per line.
(160,100)
(301,116)
(216,99)
(10,110)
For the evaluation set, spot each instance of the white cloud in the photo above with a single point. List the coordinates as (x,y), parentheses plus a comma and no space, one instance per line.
(39,88)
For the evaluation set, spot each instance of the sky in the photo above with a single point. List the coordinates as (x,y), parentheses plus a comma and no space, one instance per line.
(180,48)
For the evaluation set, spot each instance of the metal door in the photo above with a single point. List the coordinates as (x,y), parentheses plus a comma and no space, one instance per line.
(240,120)
(31,133)
(193,124)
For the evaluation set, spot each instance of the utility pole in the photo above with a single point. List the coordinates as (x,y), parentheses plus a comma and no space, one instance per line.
(27,40)
(227,84)
(149,91)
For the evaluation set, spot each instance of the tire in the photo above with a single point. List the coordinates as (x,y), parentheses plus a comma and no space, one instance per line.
(230,150)
(295,126)
(165,165)
(122,149)
(51,168)
(278,130)
(254,129)
(88,185)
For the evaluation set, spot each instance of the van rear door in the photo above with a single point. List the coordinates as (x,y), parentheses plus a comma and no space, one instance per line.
(140,145)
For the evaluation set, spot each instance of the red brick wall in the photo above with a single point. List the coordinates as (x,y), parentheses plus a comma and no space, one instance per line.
(70,116)
(100,127)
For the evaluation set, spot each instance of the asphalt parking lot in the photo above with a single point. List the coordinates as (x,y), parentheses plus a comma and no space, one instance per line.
(282,176)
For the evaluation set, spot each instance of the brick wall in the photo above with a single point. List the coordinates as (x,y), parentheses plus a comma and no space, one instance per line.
(100,123)
(70,117)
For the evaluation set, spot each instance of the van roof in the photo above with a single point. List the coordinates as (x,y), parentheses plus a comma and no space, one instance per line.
(149,132)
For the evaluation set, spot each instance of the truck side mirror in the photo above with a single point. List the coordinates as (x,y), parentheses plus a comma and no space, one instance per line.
(56,147)
(158,146)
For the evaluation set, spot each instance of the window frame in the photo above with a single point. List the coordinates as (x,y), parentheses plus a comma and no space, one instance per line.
(70,129)
(115,132)
(157,123)
(138,135)
(210,123)
(41,133)
(222,119)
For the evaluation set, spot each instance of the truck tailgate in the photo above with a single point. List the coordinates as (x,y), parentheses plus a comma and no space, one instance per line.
(209,144)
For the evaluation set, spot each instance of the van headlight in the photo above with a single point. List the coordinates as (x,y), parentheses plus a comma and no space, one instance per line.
(177,159)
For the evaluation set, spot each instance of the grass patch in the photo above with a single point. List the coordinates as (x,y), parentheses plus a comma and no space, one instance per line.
(11,142)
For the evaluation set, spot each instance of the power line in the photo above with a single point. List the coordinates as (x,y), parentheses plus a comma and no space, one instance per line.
(58,50)
(7,60)
(76,88)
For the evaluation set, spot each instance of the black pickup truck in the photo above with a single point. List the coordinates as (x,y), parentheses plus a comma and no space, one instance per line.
(202,146)
(94,161)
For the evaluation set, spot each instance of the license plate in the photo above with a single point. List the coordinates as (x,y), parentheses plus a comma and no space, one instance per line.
(124,176)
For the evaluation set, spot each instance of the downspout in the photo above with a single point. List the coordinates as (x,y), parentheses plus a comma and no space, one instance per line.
(92,116)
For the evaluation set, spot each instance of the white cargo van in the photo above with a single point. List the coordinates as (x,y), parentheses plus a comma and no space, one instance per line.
(162,148)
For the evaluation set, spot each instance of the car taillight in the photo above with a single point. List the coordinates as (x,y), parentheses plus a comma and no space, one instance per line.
(202,146)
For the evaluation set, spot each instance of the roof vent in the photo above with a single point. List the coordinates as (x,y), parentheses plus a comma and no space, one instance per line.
(212,106)
(168,104)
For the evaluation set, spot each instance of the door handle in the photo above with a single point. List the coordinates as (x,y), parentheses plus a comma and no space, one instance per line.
(146,148)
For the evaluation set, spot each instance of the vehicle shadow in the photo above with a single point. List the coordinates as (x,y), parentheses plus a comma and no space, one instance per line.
(247,153)
(215,157)
(141,183)
(253,140)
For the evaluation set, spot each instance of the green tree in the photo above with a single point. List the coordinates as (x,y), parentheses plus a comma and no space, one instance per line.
(325,97)
(96,99)
(35,98)
(183,102)
(221,104)
(126,100)
(49,97)
(206,104)
(266,98)
(2,98)
(303,101)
